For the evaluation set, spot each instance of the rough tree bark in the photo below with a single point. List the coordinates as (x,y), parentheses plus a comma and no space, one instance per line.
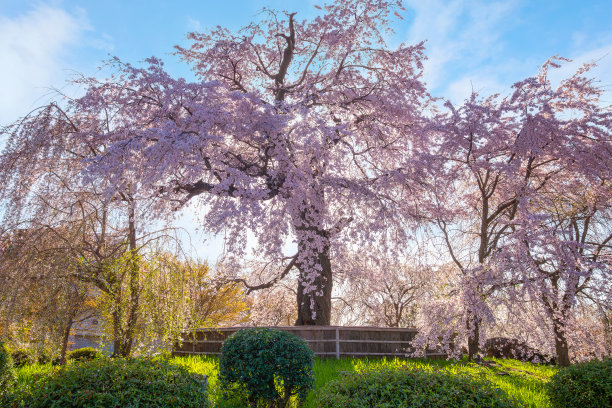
(314,306)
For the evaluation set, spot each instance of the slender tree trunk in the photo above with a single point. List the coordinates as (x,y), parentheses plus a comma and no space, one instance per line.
(314,306)
(65,338)
(123,334)
(134,277)
(117,330)
(126,340)
(130,329)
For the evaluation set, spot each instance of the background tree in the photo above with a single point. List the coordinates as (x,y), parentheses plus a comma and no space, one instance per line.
(566,233)
(178,294)
(564,230)
(99,236)
(493,158)
(41,299)
(382,292)
(272,307)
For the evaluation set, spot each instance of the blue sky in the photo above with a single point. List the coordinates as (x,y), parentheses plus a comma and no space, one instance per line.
(485,45)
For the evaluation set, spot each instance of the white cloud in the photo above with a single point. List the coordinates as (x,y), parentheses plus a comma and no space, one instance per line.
(33,46)
(465,48)
(458,32)
(492,78)
(104,43)
(194,25)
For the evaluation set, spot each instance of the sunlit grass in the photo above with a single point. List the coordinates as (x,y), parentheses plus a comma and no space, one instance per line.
(524,382)
(29,375)
(526,385)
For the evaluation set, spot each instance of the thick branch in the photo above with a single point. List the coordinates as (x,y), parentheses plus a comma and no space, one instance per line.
(251,288)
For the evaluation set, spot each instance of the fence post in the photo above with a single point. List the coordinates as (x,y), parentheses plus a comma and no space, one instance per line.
(337,343)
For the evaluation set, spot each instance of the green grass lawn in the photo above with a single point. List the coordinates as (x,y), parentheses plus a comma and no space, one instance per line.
(522,381)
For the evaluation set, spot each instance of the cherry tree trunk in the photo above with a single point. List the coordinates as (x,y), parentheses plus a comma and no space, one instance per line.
(473,329)
(561,346)
(314,306)
(607,333)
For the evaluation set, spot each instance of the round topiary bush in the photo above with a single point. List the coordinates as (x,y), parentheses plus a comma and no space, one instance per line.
(269,365)
(584,385)
(85,353)
(411,388)
(120,383)
(7,371)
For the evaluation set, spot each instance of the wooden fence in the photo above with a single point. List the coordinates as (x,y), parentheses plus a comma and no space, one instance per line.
(325,341)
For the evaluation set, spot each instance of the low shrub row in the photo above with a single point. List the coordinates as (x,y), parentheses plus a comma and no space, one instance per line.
(585,385)
(411,388)
(269,368)
(85,353)
(115,383)
(23,356)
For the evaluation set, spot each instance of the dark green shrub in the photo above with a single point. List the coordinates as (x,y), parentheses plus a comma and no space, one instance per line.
(23,356)
(120,383)
(45,356)
(85,353)
(410,388)
(269,365)
(585,385)
(7,371)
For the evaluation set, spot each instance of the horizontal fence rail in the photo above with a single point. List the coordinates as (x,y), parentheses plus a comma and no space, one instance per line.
(324,341)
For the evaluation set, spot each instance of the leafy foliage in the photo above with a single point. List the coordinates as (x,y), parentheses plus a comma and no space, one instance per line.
(411,388)
(85,353)
(121,383)
(178,293)
(7,371)
(582,385)
(46,356)
(259,361)
(23,356)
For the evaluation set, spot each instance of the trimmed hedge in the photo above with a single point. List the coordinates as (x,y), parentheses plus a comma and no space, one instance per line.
(584,385)
(269,365)
(85,353)
(120,383)
(388,388)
